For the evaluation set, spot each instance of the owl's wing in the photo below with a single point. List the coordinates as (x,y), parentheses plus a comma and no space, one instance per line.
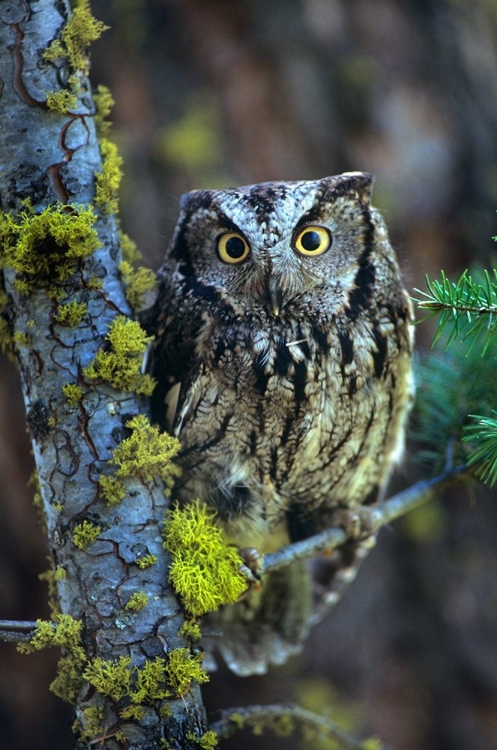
(170,356)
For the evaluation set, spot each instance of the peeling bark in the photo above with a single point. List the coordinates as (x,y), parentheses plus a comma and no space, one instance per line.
(46,156)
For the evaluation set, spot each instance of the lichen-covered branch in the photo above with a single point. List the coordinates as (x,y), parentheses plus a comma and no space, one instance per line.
(65,317)
(285,719)
(16,631)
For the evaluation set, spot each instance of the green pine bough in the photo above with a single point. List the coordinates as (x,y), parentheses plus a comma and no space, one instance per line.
(457,392)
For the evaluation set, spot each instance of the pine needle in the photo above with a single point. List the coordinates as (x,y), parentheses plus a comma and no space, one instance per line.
(467,309)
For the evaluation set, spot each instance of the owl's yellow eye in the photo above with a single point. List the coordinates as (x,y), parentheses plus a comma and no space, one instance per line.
(313,240)
(232,247)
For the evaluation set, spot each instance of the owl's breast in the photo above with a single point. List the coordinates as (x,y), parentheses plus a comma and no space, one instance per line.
(300,419)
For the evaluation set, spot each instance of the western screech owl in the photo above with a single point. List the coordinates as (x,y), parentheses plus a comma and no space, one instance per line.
(282,352)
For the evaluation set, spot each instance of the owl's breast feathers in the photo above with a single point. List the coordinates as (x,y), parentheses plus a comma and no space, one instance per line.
(295,411)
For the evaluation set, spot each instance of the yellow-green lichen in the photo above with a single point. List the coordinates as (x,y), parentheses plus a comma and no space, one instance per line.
(182,668)
(237,719)
(112,490)
(191,630)
(151,682)
(129,250)
(146,561)
(205,568)
(155,681)
(62,101)
(79,32)
(208,741)
(138,279)
(137,601)
(72,393)
(60,574)
(94,283)
(92,725)
(120,364)
(164,710)
(65,632)
(133,712)
(108,180)
(284,725)
(161,678)
(48,246)
(37,499)
(111,678)
(138,282)
(21,338)
(22,287)
(6,339)
(71,314)
(104,102)
(51,578)
(147,453)
(85,533)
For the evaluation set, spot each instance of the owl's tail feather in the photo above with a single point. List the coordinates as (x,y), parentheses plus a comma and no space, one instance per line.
(267,626)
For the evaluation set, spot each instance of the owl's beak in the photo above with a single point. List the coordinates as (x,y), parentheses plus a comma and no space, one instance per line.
(275,295)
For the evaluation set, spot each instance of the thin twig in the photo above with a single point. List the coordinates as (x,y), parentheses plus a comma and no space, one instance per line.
(17,625)
(284,718)
(15,631)
(388,511)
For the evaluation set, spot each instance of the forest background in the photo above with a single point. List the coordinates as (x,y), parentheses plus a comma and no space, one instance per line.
(212,93)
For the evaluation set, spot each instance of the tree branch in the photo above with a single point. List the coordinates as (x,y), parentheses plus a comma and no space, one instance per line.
(385,513)
(284,719)
(16,631)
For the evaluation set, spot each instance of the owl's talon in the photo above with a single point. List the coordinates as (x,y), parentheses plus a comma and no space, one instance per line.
(360,523)
(252,566)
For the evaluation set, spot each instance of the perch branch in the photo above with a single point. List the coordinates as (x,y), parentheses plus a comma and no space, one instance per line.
(391,509)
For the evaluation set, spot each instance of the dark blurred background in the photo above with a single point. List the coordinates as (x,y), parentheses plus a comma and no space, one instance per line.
(211,93)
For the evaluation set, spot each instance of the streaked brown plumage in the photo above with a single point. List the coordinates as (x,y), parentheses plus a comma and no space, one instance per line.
(283,357)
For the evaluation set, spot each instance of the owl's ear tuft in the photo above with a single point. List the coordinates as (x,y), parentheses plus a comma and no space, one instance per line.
(183,201)
(196,199)
(187,198)
(362,182)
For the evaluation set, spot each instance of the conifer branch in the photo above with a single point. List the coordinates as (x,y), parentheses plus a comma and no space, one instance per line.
(467,308)
(483,431)
(467,311)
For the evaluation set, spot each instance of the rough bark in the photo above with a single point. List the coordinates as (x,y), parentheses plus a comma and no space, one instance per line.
(46,156)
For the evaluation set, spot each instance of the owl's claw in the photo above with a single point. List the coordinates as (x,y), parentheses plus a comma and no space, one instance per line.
(252,567)
(360,523)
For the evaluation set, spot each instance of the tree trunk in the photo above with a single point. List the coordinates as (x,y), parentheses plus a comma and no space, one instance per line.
(45,157)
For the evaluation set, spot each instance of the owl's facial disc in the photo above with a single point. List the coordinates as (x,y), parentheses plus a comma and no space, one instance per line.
(270,245)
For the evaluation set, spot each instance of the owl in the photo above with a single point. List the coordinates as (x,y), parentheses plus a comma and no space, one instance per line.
(282,352)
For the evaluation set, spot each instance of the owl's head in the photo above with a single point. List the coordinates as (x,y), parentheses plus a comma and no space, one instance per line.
(267,245)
